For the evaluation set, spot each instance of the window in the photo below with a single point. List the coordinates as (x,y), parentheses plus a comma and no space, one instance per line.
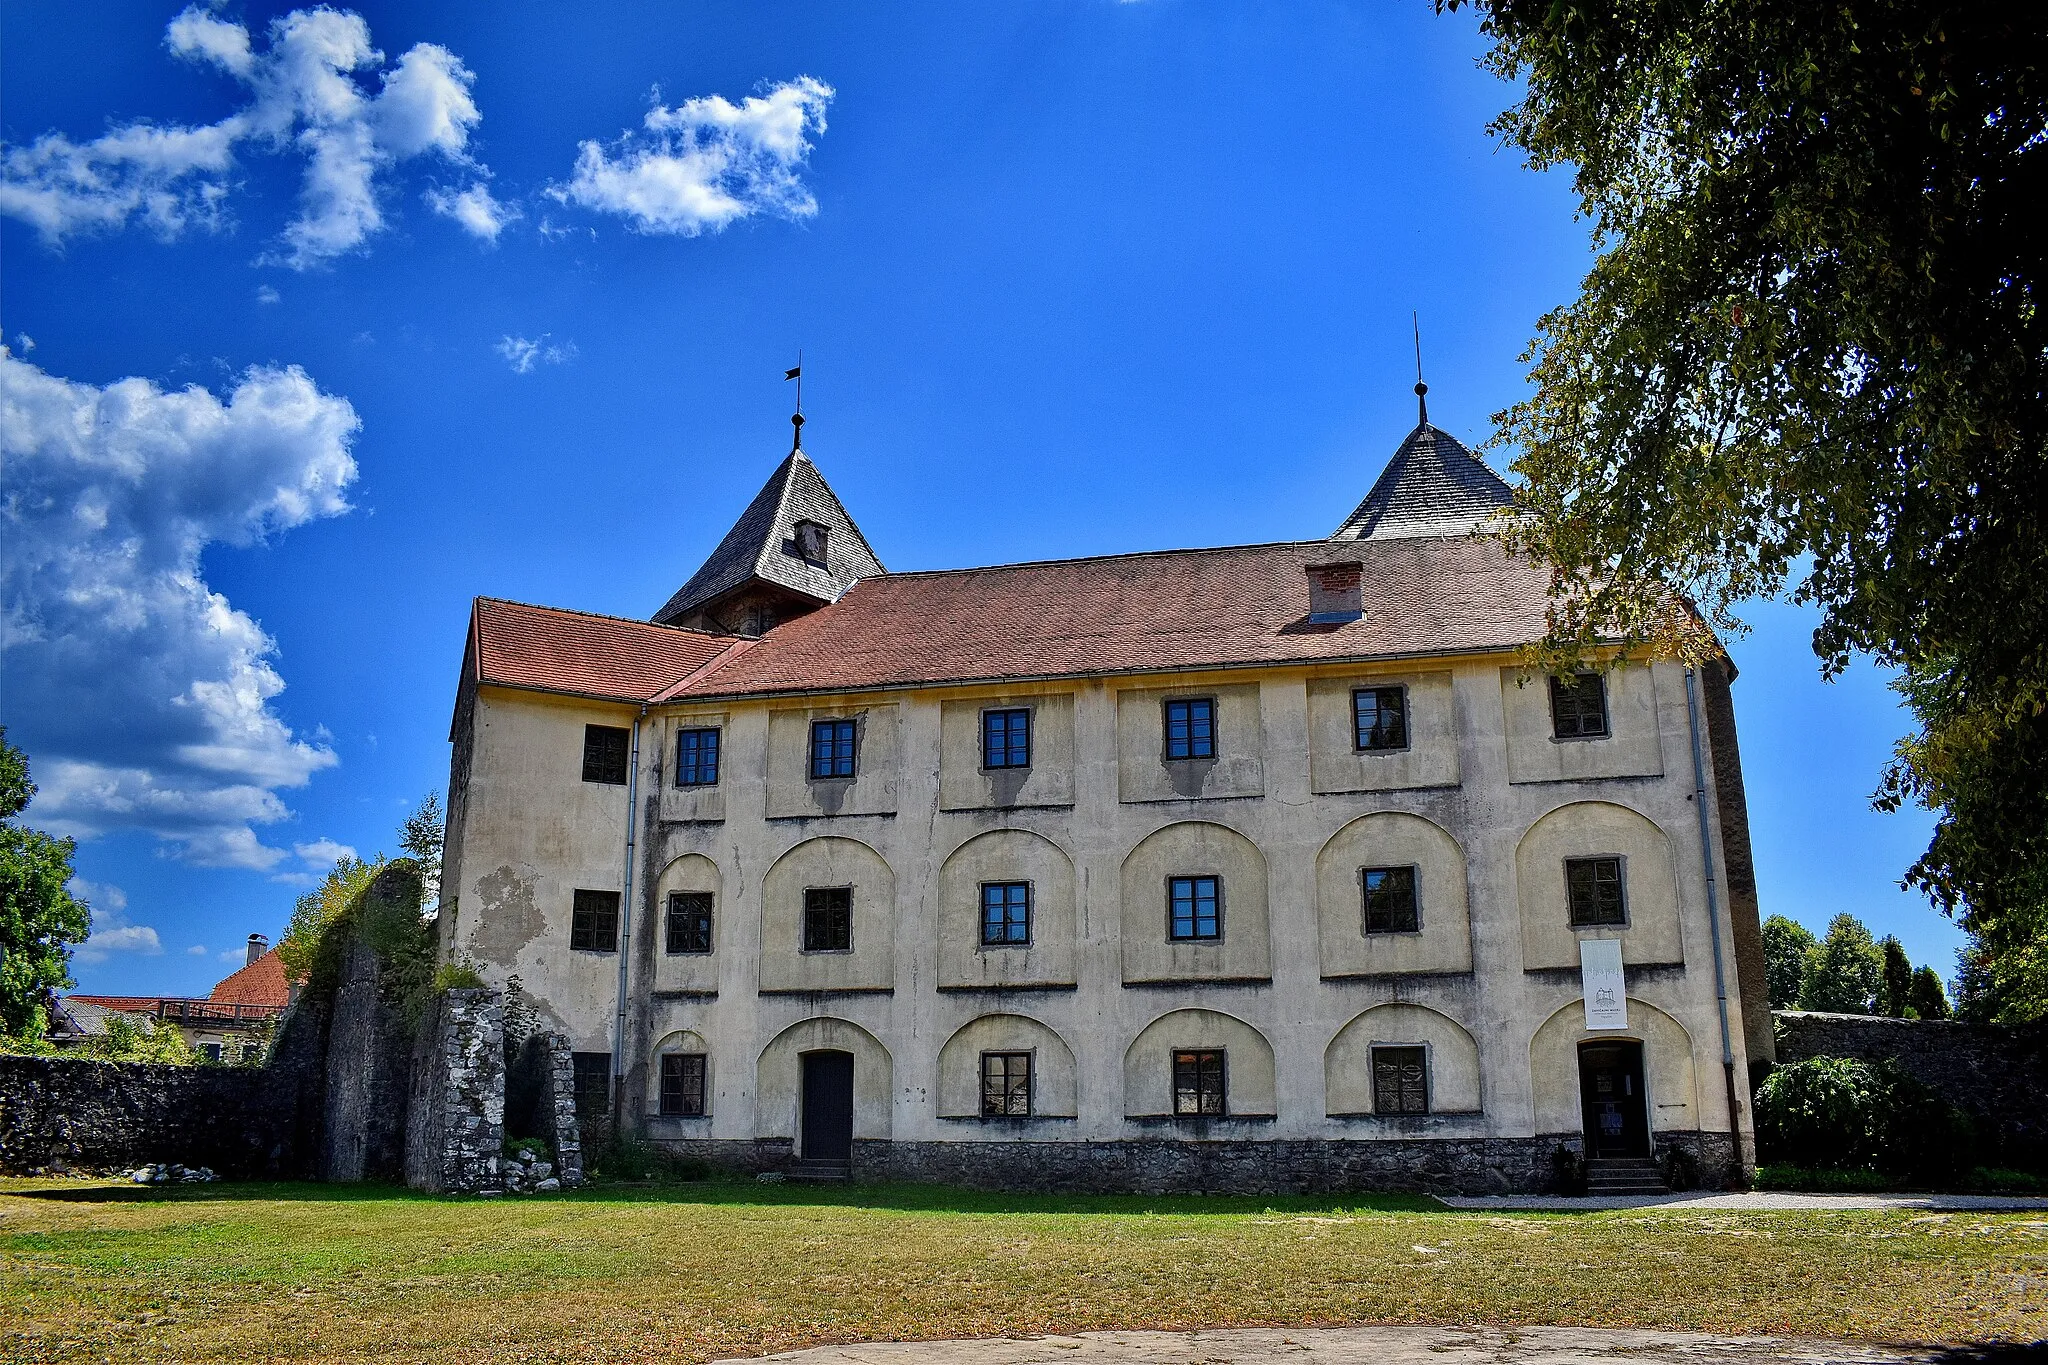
(1379,717)
(593,1084)
(689,921)
(1005,913)
(1594,888)
(682,1084)
(1400,1080)
(210,1051)
(1578,706)
(1194,907)
(1006,738)
(604,754)
(1390,906)
(832,748)
(828,919)
(1198,1084)
(594,923)
(1005,1085)
(1191,728)
(697,758)
(811,539)
(250,1052)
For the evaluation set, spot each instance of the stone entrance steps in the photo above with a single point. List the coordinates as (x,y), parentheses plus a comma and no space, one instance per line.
(818,1172)
(1624,1175)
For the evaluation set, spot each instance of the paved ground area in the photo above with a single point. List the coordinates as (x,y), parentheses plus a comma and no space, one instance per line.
(1760,1199)
(1402,1346)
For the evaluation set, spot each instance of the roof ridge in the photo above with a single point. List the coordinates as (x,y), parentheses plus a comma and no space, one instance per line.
(606,616)
(1096,559)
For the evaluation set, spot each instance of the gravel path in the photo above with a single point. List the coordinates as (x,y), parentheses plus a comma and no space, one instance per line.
(1397,1346)
(1760,1199)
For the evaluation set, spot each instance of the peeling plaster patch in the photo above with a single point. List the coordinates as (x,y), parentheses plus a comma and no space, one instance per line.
(508,918)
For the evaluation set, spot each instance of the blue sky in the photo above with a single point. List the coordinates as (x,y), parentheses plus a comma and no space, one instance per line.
(505,311)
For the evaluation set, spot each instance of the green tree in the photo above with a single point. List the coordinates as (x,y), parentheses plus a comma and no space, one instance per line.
(1811,359)
(421,836)
(1846,971)
(299,945)
(1895,988)
(1928,999)
(1788,946)
(39,918)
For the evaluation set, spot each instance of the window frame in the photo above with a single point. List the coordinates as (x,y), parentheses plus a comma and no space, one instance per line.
(672,910)
(1029,725)
(852,760)
(1401,1110)
(717,743)
(681,1091)
(593,932)
(1030,911)
(1195,915)
(1009,1056)
(1414,899)
(804,923)
(598,763)
(1571,908)
(1167,754)
(1400,691)
(1222,1074)
(1558,692)
(586,1071)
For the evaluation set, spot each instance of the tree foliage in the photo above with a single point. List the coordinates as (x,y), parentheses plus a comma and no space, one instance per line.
(421,837)
(1787,946)
(1811,360)
(1845,973)
(1842,1114)
(1927,999)
(1895,982)
(39,917)
(300,945)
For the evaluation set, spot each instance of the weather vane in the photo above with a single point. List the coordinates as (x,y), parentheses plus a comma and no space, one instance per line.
(1421,389)
(796,419)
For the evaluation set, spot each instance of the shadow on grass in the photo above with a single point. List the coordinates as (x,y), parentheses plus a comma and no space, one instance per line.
(904,1198)
(1993,1353)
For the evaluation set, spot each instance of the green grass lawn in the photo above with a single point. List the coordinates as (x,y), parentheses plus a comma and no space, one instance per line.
(692,1272)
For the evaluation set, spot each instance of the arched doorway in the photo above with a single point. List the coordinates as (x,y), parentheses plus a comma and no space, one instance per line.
(827,1106)
(1614,1099)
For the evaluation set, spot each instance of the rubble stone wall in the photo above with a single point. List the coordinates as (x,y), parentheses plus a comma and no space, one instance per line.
(455,1121)
(77,1114)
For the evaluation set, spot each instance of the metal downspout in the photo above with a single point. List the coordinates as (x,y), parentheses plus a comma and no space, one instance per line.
(1699,796)
(626,926)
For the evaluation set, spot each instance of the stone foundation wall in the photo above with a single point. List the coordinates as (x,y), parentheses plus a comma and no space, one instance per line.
(1999,1075)
(1313,1166)
(88,1115)
(455,1125)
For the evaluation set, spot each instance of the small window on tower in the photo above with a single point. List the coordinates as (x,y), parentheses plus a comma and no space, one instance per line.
(810,542)
(604,754)
(1578,706)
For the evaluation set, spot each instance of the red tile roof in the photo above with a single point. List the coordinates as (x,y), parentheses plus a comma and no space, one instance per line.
(608,657)
(124,1004)
(1167,610)
(262,982)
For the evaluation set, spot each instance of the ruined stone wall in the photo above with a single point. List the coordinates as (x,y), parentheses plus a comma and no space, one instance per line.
(455,1119)
(1998,1075)
(90,1115)
(363,1133)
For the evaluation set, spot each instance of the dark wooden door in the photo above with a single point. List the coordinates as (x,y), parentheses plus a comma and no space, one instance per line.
(828,1106)
(1611,1090)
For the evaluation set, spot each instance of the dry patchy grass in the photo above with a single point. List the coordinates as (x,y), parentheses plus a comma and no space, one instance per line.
(696,1272)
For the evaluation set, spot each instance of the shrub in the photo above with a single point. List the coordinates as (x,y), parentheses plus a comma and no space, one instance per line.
(1839,1114)
(624,1158)
(458,976)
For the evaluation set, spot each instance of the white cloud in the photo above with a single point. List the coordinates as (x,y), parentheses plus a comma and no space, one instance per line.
(522,355)
(142,696)
(196,950)
(323,852)
(474,208)
(304,97)
(111,931)
(707,162)
(24,343)
(265,294)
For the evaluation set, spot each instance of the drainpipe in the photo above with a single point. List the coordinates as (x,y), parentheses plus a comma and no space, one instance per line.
(1699,796)
(626,926)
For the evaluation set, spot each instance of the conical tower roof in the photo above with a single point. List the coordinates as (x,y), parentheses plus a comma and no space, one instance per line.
(764,549)
(1433,486)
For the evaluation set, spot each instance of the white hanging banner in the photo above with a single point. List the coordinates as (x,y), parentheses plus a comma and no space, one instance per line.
(1606,991)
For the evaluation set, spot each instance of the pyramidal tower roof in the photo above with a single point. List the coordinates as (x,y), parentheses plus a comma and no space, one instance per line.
(774,545)
(1433,486)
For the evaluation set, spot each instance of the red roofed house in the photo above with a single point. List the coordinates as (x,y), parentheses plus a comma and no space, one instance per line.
(229,1025)
(1263,866)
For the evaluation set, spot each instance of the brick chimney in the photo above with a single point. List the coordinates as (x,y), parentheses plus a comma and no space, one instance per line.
(258,946)
(1335,593)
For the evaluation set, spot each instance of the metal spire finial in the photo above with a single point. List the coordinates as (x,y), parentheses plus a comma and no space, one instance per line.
(796,419)
(1421,389)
